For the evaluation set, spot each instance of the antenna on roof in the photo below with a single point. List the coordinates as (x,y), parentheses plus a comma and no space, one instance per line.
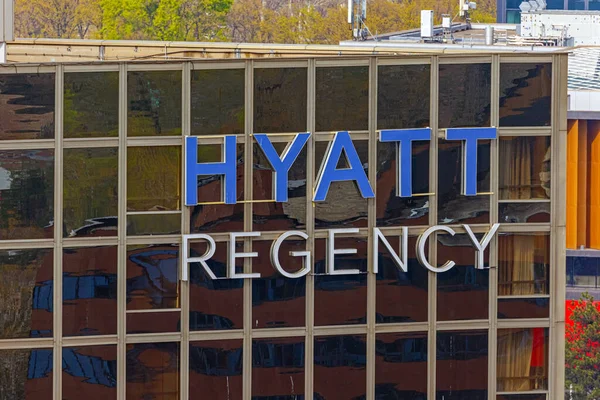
(357,15)
(464,8)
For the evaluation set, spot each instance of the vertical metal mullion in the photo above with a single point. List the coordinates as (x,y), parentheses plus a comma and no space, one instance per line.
(58,232)
(433,188)
(185,229)
(310,230)
(371,278)
(122,232)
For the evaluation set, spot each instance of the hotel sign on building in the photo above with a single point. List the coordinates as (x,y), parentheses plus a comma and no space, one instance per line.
(309,227)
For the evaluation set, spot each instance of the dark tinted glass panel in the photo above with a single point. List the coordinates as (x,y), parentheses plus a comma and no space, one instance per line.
(594,5)
(218,102)
(154,103)
(512,4)
(403,96)
(153,224)
(278,301)
(27,110)
(462,365)
(153,178)
(89,372)
(525,94)
(26,303)
(216,369)
(342,298)
(278,369)
(401,366)
(541,396)
(342,102)
(523,308)
(401,296)
(453,207)
(215,304)
(513,17)
(525,172)
(463,284)
(90,291)
(278,216)
(524,212)
(583,272)
(280,99)
(576,5)
(522,359)
(393,210)
(153,371)
(465,95)
(218,217)
(91,104)
(558,4)
(328,213)
(26,194)
(340,367)
(523,264)
(152,322)
(152,277)
(26,374)
(90,192)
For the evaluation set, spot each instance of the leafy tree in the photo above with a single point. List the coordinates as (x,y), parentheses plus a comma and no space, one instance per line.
(583,349)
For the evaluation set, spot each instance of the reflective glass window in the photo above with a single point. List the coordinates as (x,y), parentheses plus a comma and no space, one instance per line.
(26,298)
(462,284)
(594,5)
(26,374)
(401,366)
(340,367)
(583,272)
(401,296)
(576,4)
(216,369)
(559,4)
(459,354)
(522,359)
(278,368)
(27,106)
(289,215)
(343,298)
(90,291)
(150,322)
(525,94)
(152,277)
(523,264)
(403,96)
(278,301)
(523,308)
(393,210)
(218,217)
(215,304)
(513,16)
(280,100)
(464,95)
(534,212)
(154,103)
(89,372)
(525,172)
(153,178)
(218,102)
(91,104)
(328,213)
(26,194)
(90,192)
(342,99)
(153,371)
(453,207)
(153,224)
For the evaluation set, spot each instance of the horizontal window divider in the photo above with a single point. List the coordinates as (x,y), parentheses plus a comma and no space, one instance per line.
(277,134)
(72,341)
(27,144)
(523,296)
(459,325)
(340,330)
(322,234)
(467,58)
(524,228)
(343,62)
(524,201)
(402,327)
(167,212)
(83,143)
(217,64)
(154,239)
(16,344)
(525,131)
(86,67)
(149,311)
(154,65)
(90,241)
(198,336)
(153,338)
(328,136)
(530,59)
(384,61)
(278,333)
(262,64)
(151,141)
(523,392)
(214,203)
(29,68)
(27,244)
(525,323)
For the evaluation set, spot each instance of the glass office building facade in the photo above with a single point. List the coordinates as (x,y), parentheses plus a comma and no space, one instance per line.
(92,217)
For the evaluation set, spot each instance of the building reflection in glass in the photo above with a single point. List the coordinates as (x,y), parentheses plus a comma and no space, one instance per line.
(278,368)
(340,367)
(89,372)
(153,371)
(216,369)
(26,374)
(90,291)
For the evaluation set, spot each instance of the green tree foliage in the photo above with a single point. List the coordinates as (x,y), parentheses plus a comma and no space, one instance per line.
(583,350)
